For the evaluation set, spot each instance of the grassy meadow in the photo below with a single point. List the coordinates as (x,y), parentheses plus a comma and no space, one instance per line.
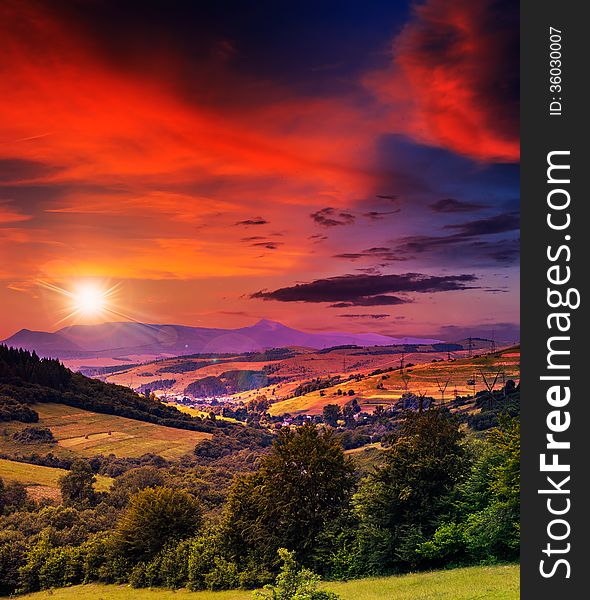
(41,482)
(87,433)
(474,583)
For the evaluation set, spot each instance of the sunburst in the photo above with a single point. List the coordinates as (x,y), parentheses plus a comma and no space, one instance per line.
(88,300)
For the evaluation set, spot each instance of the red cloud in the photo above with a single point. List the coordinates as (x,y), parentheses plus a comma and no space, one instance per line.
(137,167)
(455,78)
(63,104)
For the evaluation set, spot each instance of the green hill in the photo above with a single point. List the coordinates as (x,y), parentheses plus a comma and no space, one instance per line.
(78,432)
(27,379)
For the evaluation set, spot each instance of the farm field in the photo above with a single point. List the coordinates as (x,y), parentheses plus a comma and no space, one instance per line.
(306,364)
(41,482)
(483,583)
(195,412)
(425,378)
(87,433)
(169,369)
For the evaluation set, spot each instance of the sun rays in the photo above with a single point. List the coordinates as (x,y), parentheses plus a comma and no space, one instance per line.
(88,301)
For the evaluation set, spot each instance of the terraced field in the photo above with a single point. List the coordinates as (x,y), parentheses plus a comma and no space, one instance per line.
(87,433)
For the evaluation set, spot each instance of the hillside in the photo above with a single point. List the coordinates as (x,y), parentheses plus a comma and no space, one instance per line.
(284,372)
(27,379)
(86,433)
(484,583)
(39,481)
(462,377)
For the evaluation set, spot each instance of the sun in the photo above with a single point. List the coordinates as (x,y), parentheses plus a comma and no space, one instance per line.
(89,300)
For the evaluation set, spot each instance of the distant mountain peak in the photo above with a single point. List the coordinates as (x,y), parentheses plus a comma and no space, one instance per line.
(117,339)
(269,324)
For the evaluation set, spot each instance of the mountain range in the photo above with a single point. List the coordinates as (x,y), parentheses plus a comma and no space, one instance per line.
(128,338)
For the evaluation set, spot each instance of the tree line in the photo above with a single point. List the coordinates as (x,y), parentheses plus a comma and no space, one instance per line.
(27,379)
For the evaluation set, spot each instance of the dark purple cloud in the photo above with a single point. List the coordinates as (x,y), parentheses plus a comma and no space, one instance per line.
(268,245)
(497,224)
(372,301)
(450,205)
(375,215)
(367,290)
(467,237)
(254,221)
(331,217)
(364,316)
(383,254)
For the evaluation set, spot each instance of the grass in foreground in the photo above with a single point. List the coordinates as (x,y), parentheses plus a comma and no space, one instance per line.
(474,583)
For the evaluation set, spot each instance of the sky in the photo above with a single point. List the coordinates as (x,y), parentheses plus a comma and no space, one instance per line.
(329,164)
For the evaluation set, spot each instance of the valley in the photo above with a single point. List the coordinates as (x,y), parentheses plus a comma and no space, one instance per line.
(206,445)
(373,376)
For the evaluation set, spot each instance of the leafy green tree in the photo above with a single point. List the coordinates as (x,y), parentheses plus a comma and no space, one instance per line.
(331,414)
(494,532)
(486,525)
(401,503)
(13,548)
(153,518)
(134,481)
(77,486)
(300,487)
(505,474)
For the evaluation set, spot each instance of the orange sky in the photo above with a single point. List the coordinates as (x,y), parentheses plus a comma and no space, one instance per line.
(193,202)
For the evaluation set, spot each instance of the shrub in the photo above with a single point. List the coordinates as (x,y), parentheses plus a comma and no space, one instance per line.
(201,558)
(293,583)
(29,572)
(34,435)
(63,567)
(446,545)
(168,569)
(223,576)
(154,518)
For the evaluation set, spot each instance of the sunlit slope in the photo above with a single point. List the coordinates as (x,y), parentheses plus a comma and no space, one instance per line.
(172,376)
(87,433)
(41,482)
(462,375)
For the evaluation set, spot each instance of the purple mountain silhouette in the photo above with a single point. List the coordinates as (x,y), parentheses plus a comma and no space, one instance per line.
(119,339)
